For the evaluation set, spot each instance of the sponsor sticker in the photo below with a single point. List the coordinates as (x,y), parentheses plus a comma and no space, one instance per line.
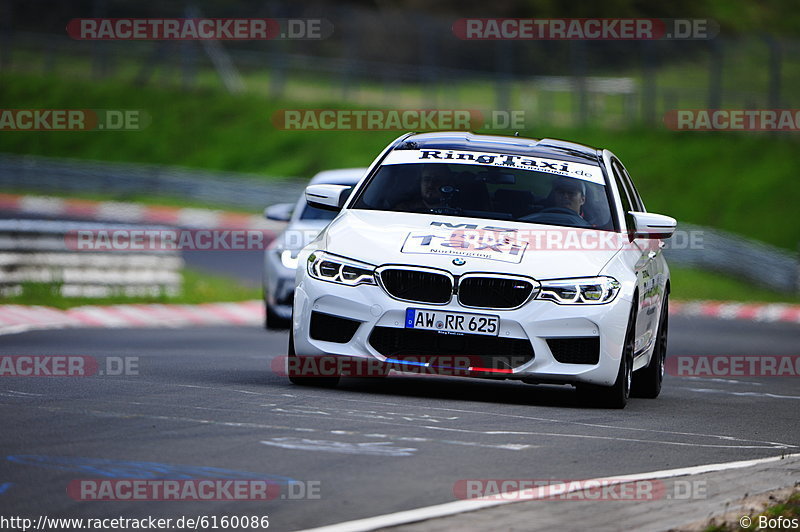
(586,172)
(488,245)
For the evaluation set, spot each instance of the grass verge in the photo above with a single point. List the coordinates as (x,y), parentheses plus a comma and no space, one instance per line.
(691,284)
(198,287)
(781,515)
(739,182)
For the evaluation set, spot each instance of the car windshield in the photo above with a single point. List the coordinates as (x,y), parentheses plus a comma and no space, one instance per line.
(561,193)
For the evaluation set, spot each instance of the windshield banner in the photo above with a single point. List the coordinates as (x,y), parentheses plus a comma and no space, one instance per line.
(586,172)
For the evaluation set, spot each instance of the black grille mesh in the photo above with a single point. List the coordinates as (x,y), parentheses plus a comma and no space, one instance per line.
(414,285)
(330,328)
(575,350)
(493,292)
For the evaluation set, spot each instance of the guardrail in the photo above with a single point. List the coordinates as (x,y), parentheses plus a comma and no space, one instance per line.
(734,255)
(720,251)
(36,251)
(51,174)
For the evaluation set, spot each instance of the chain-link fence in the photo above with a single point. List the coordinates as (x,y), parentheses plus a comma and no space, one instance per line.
(409,59)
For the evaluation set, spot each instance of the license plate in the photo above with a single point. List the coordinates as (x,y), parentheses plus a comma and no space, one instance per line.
(452,322)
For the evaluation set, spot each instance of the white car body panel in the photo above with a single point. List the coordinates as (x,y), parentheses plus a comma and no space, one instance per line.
(378,237)
(372,236)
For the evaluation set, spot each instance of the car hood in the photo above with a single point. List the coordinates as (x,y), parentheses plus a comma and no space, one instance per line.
(538,251)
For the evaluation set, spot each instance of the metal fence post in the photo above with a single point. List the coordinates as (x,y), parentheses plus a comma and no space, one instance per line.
(581,103)
(99,49)
(715,74)
(6,12)
(503,50)
(648,83)
(775,67)
(797,271)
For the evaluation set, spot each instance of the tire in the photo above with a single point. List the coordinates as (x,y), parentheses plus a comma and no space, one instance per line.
(322,382)
(273,322)
(647,381)
(615,396)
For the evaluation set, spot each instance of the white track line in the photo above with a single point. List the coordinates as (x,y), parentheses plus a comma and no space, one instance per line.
(456,507)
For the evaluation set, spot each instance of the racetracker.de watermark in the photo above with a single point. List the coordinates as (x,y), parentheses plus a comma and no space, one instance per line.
(721,366)
(67,366)
(515,241)
(198,29)
(168,239)
(444,236)
(343,366)
(74,119)
(396,119)
(584,29)
(733,119)
(209,489)
(609,489)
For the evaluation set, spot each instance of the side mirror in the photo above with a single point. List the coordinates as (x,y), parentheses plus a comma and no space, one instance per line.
(280,212)
(649,225)
(328,197)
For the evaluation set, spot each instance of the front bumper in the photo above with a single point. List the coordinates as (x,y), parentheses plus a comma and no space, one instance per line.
(377,315)
(278,284)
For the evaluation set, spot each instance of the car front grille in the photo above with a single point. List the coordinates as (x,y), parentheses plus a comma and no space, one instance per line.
(417,285)
(494,292)
(484,351)
(575,350)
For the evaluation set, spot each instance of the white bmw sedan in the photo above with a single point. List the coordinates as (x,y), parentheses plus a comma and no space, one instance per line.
(501,257)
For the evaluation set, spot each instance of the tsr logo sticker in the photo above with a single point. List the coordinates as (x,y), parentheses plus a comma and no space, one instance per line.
(488,245)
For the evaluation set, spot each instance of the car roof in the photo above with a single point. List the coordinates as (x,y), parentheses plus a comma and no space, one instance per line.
(464,140)
(341,176)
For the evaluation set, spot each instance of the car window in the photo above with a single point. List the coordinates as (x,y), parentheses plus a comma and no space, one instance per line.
(624,191)
(637,199)
(314,213)
(491,191)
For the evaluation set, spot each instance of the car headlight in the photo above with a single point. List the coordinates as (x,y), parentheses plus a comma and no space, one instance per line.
(335,269)
(289,258)
(580,291)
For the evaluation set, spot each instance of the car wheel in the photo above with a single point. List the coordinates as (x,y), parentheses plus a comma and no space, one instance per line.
(295,360)
(647,381)
(273,322)
(616,395)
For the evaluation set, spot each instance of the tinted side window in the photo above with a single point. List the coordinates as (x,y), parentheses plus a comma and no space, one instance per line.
(636,199)
(624,193)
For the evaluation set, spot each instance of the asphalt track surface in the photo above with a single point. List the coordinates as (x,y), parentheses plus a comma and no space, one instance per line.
(208,398)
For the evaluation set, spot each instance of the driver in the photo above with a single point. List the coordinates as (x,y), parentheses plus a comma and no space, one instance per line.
(432,178)
(569,194)
(565,203)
